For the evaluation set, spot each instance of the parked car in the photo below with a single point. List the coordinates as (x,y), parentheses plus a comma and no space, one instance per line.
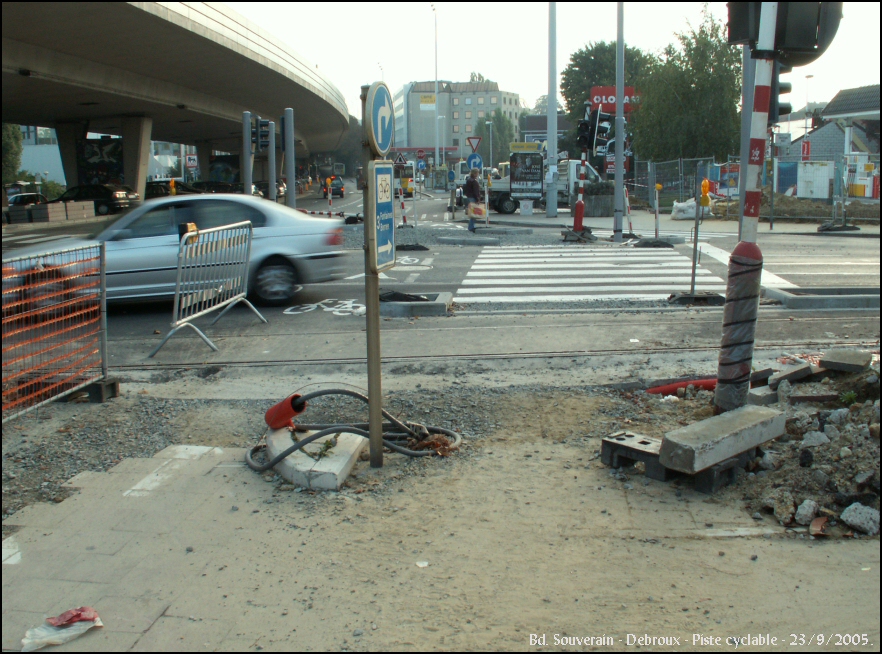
(263,187)
(288,248)
(162,189)
(25,199)
(108,198)
(336,187)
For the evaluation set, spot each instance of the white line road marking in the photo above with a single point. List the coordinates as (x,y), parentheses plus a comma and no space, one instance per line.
(411,278)
(583,289)
(768,280)
(428,262)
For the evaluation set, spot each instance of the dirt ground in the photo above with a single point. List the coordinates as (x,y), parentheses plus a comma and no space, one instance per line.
(522,533)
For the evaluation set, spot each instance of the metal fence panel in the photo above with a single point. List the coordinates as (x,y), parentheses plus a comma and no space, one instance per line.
(54,326)
(212,274)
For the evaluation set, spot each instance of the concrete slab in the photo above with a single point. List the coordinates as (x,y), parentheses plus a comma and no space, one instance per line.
(847,360)
(762,396)
(438,305)
(850,297)
(701,445)
(328,472)
(791,374)
(818,398)
(468,240)
(503,230)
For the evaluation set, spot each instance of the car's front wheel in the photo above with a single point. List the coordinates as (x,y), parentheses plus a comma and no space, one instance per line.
(276,282)
(102,209)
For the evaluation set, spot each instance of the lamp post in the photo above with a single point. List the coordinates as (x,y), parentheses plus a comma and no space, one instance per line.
(807,78)
(490,122)
(437,117)
(439,144)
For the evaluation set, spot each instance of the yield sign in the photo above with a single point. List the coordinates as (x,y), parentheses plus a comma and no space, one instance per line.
(400,160)
(474,142)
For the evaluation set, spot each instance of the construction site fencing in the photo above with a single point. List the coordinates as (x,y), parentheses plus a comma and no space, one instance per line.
(54,326)
(212,274)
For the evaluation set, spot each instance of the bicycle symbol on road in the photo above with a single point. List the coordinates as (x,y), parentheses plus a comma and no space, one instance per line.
(407,261)
(341,308)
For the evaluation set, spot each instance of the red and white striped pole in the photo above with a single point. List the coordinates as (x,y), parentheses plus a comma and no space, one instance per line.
(579,209)
(746,262)
(403,210)
(330,194)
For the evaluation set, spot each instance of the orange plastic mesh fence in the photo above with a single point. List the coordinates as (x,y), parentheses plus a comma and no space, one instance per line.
(53,326)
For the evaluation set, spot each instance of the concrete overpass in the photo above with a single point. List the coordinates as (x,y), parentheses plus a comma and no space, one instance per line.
(178,72)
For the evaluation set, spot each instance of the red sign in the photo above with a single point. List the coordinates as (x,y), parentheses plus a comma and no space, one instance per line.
(421,154)
(604,98)
(474,142)
(806,150)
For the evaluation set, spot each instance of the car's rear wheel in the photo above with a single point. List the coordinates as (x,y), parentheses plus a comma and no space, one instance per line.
(103,208)
(276,282)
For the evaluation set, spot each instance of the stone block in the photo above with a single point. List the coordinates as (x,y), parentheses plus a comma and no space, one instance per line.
(696,447)
(327,472)
(791,374)
(762,396)
(847,360)
(819,398)
(863,518)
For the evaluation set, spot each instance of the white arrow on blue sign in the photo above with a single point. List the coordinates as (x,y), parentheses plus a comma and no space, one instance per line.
(383,254)
(382,124)
(474,160)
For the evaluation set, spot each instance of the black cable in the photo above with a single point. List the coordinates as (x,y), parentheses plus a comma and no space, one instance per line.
(405,432)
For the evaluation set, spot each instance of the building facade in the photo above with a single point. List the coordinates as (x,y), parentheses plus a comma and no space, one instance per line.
(461,107)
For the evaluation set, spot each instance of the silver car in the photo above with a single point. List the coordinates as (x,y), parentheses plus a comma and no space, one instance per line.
(288,248)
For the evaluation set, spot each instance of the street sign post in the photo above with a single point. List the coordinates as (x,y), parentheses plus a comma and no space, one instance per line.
(382,252)
(400,160)
(421,165)
(381,126)
(421,154)
(474,160)
(474,142)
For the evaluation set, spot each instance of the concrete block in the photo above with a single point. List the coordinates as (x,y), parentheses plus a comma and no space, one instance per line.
(820,398)
(701,445)
(826,297)
(762,396)
(328,472)
(847,360)
(791,374)
(438,305)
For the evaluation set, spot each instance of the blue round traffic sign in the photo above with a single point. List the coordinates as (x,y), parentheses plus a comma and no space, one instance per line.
(421,165)
(474,160)
(381,119)
(451,176)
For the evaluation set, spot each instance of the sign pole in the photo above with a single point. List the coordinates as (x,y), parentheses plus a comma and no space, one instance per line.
(372,300)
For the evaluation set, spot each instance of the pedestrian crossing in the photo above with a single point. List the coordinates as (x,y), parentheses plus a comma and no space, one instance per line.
(567,274)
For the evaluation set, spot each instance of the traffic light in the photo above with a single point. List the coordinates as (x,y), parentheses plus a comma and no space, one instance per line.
(584,136)
(595,128)
(260,133)
(778,109)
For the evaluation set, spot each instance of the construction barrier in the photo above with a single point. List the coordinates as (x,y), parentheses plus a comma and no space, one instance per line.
(212,274)
(54,326)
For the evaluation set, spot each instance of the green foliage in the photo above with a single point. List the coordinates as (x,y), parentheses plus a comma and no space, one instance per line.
(503,134)
(47,187)
(848,398)
(595,65)
(541,106)
(689,97)
(11,151)
(600,188)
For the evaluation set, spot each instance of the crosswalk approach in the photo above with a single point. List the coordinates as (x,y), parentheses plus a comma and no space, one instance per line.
(565,274)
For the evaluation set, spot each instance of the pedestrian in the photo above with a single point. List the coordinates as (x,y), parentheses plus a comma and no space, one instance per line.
(472,193)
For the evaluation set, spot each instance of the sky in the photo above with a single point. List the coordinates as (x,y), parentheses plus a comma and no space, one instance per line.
(357,43)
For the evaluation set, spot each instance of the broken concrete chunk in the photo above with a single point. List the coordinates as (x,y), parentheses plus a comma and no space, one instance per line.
(791,374)
(781,503)
(806,512)
(762,396)
(697,447)
(847,360)
(819,398)
(814,438)
(863,518)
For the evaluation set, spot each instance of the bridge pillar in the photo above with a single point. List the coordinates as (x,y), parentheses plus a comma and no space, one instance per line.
(203,158)
(67,135)
(136,133)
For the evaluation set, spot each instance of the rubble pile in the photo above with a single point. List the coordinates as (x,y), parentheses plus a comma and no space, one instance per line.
(787,205)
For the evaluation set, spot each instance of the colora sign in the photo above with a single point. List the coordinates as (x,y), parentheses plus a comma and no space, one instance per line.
(604,98)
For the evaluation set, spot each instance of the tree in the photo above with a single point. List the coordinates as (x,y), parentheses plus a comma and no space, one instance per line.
(47,187)
(541,106)
(11,151)
(503,134)
(595,65)
(689,99)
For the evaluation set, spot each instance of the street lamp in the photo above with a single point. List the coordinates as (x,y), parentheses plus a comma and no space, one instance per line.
(807,78)
(437,117)
(441,121)
(490,122)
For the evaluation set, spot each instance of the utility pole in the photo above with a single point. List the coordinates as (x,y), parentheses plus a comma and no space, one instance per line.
(551,135)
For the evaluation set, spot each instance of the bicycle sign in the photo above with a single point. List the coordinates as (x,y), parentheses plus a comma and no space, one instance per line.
(341,308)
(382,255)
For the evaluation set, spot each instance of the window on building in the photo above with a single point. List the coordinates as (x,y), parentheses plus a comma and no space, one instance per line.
(455,102)
(455,115)
(456,129)
(481,113)
(468,129)
(468,100)
(494,100)
(481,100)
(456,143)
(468,114)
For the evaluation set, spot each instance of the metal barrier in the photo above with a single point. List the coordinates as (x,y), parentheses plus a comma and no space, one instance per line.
(54,326)
(212,273)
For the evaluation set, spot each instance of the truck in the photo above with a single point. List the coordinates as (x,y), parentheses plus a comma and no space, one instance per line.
(501,199)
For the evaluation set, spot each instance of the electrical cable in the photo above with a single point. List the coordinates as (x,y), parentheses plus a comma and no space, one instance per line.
(404,431)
